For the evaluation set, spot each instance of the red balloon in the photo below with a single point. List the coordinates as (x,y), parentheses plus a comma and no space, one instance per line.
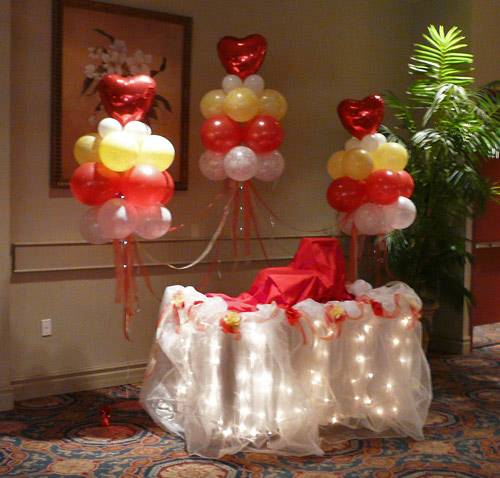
(263,134)
(242,56)
(382,186)
(361,117)
(144,185)
(220,133)
(93,184)
(170,187)
(346,194)
(406,184)
(127,99)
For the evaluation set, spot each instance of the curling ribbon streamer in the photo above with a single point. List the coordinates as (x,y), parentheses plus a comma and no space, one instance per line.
(353,255)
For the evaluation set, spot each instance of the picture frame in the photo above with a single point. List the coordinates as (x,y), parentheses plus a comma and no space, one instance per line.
(90,39)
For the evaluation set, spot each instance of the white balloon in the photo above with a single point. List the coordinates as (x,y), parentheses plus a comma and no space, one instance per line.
(107,126)
(152,222)
(138,129)
(270,166)
(255,83)
(117,219)
(212,165)
(369,219)
(352,143)
(89,227)
(371,142)
(346,221)
(240,163)
(401,213)
(230,82)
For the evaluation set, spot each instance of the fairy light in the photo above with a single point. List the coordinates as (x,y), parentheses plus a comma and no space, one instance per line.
(334,419)
(389,385)
(405,321)
(356,397)
(395,409)
(379,411)
(266,381)
(403,360)
(396,341)
(360,358)
(253,359)
(367,401)
(244,411)
(244,375)
(369,375)
(354,380)
(367,328)
(297,410)
(244,395)
(181,389)
(253,432)
(261,415)
(226,432)
(317,323)
(279,416)
(214,360)
(326,400)
(316,380)
(360,338)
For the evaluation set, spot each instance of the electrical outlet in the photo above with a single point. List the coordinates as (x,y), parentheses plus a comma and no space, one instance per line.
(46,327)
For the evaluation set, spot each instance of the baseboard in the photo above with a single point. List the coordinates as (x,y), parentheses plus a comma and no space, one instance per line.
(6,399)
(78,381)
(452,346)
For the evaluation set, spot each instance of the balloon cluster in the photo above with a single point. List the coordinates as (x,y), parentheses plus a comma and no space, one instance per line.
(370,187)
(242,132)
(122,175)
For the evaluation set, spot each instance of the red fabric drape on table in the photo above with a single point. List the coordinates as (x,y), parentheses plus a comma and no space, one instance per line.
(317,272)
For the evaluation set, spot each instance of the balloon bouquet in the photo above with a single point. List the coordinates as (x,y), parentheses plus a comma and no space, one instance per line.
(122,176)
(370,187)
(242,132)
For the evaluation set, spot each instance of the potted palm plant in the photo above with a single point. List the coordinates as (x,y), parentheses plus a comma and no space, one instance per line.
(449,127)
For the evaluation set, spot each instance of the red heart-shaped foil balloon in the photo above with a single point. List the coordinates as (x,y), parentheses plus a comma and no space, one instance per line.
(361,117)
(242,56)
(127,98)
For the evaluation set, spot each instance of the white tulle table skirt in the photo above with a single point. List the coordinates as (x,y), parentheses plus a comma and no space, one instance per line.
(282,381)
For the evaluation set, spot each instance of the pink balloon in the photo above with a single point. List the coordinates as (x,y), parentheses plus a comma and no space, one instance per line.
(212,165)
(117,219)
(369,219)
(89,227)
(240,163)
(152,222)
(401,213)
(270,166)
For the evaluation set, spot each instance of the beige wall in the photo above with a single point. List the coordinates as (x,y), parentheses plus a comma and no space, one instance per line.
(320,51)
(5,388)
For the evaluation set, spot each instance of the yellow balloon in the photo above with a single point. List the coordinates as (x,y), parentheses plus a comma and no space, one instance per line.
(211,103)
(86,149)
(272,103)
(393,156)
(334,165)
(357,163)
(118,151)
(241,104)
(156,151)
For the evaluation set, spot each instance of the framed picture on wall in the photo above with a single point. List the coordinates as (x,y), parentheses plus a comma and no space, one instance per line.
(92,39)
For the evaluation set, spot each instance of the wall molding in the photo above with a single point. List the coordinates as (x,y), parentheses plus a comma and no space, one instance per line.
(78,381)
(452,346)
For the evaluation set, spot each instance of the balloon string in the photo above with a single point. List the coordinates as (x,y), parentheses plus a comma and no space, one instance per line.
(247,216)
(353,255)
(278,219)
(236,216)
(210,245)
(143,270)
(256,228)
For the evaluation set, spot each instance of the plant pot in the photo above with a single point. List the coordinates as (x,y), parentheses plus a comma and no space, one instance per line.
(429,308)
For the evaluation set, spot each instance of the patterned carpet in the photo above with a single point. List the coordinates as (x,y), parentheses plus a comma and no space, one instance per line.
(60,436)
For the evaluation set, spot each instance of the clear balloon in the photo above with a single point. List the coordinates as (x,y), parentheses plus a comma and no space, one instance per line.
(357,163)
(138,129)
(220,134)
(272,103)
(211,103)
(371,142)
(352,143)
(144,185)
(86,149)
(93,184)
(400,214)
(152,222)
(230,82)
(89,227)
(393,156)
(240,163)
(270,166)
(156,151)
(241,104)
(117,219)
(263,134)
(334,165)
(255,83)
(118,151)
(212,165)
(369,219)
(107,126)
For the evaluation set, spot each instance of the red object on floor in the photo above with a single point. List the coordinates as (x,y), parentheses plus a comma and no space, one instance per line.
(317,272)
(486,265)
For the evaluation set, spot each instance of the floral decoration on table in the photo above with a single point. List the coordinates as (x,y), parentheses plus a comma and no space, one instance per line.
(115,58)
